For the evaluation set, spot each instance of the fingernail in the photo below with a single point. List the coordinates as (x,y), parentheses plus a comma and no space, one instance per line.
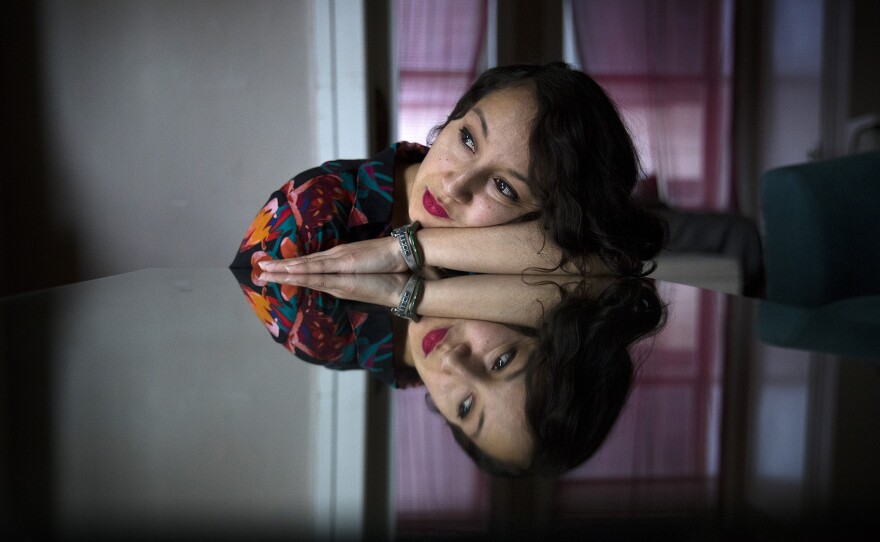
(263,264)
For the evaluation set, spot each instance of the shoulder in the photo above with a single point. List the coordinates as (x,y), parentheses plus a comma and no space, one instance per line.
(409,152)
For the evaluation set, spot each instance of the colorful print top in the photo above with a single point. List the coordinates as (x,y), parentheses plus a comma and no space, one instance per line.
(340,201)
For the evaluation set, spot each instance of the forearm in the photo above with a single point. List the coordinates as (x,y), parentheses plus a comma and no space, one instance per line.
(507,249)
(506,299)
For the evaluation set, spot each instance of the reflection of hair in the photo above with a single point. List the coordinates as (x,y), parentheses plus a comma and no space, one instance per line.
(583,166)
(580,376)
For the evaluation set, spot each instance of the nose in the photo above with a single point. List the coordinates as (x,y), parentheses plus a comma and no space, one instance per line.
(460,361)
(460,185)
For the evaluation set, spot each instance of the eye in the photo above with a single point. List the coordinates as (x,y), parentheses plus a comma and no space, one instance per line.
(465,407)
(467,139)
(503,360)
(505,189)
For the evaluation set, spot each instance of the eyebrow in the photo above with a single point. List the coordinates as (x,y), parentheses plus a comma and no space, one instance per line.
(482,116)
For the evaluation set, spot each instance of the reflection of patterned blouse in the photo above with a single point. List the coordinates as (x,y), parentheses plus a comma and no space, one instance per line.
(341,201)
(321,329)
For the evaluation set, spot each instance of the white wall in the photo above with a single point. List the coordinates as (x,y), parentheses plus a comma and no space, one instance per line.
(791,82)
(168,123)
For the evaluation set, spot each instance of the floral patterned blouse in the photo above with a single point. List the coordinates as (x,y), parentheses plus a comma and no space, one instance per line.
(341,201)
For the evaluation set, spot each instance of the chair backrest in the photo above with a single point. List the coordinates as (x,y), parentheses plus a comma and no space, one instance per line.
(822,224)
(848,326)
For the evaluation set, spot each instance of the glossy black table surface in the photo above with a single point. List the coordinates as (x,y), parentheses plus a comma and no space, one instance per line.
(155,403)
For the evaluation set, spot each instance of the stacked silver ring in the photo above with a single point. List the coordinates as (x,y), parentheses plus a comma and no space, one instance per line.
(406,308)
(406,236)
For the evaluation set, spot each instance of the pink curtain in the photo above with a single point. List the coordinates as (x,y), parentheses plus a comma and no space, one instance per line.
(663,452)
(439,46)
(436,482)
(668,66)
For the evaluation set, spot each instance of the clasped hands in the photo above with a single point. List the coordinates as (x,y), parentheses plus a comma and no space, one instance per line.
(371,256)
(371,271)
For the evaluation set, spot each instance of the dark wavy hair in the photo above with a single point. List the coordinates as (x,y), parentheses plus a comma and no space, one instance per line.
(583,167)
(580,375)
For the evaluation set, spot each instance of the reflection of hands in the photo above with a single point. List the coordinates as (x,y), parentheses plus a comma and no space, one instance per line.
(372,256)
(379,289)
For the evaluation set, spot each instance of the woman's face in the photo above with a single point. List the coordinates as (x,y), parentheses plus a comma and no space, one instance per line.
(476,172)
(475,374)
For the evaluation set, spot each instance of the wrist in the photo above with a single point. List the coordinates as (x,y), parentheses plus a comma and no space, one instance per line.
(409,297)
(409,251)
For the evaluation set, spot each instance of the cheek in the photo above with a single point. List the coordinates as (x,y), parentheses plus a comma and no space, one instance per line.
(430,374)
(440,394)
(441,154)
(431,169)
(485,211)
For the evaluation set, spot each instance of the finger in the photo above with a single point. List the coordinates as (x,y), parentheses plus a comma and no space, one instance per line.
(273,266)
(301,265)
(280,278)
(281,266)
(325,283)
(287,278)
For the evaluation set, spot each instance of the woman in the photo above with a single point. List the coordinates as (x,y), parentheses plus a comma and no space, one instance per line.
(532,171)
(530,378)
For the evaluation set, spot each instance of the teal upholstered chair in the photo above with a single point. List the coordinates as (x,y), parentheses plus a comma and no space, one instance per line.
(822,224)
(848,326)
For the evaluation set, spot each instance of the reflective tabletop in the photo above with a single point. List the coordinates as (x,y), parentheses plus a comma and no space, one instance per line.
(190,402)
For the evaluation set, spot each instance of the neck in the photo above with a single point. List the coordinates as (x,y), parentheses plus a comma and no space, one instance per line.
(404,177)
(402,345)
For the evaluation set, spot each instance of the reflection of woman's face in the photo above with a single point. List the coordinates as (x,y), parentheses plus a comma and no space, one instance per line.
(477,169)
(475,373)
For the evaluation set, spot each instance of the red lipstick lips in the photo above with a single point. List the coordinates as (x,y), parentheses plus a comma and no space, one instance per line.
(432,206)
(432,339)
